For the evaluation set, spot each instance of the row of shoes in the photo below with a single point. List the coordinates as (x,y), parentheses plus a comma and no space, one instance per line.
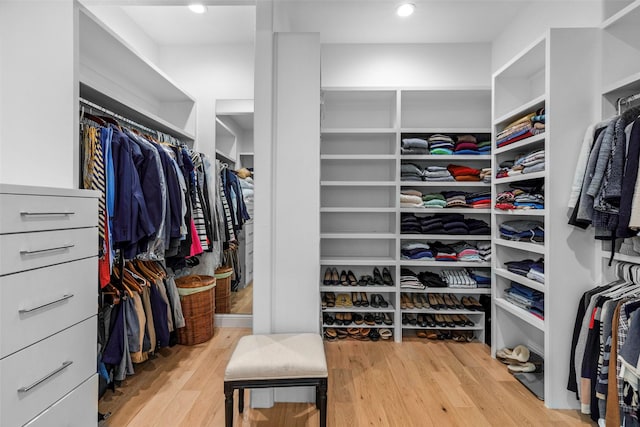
(435,334)
(354,299)
(348,278)
(346,319)
(433,320)
(439,301)
(360,334)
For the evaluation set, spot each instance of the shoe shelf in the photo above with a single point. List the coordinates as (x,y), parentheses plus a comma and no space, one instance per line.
(353,325)
(444,184)
(521,177)
(440,311)
(470,291)
(418,263)
(368,289)
(477,327)
(520,313)
(357,183)
(445,210)
(520,212)
(520,279)
(523,246)
(456,237)
(523,144)
(354,309)
(356,210)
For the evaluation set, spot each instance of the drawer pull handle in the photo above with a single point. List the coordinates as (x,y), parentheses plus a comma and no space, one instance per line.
(29,310)
(27,213)
(37,251)
(64,366)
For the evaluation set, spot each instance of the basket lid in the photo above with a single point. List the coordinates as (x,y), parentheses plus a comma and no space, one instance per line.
(194,281)
(223,272)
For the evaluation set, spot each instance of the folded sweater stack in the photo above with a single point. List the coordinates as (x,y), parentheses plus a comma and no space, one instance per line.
(464,173)
(460,278)
(531,162)
(417,250)
(410,199)
(534,270)
(522,230)
(441,144)
(442,224)
(469,145)
(526,126)
(414,146)
(524,195)
(526,298)
(479,200)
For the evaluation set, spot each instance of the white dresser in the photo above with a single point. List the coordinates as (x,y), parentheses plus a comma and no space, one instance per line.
(48,307)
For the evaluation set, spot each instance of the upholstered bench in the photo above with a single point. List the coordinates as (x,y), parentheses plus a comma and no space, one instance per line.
(277,360)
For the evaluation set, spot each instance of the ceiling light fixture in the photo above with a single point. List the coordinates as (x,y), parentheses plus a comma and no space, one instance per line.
(198,8)
(406,9)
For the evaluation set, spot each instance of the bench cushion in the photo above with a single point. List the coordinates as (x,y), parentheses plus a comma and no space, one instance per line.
(277,356)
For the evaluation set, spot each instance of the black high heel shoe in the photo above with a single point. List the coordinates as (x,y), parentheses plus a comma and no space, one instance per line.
(327,277)
(386,277)
(377,277)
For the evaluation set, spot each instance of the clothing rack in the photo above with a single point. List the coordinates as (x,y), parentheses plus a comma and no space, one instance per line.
(627,100)
(117,116)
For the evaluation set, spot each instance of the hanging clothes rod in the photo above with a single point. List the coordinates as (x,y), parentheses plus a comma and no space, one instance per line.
(627,100)
(117,116)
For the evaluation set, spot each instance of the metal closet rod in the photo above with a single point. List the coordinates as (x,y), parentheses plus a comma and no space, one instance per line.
(117,116)
(627,100)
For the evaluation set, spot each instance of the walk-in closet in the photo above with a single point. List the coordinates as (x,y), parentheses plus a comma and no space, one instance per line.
(446,203)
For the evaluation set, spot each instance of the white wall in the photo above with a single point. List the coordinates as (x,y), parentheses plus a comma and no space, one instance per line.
(537,18)
(210,72)
(406,65)
(38,93)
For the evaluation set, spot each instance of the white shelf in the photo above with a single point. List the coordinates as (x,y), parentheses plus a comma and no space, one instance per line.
(520,212)
(521,177)
(246,153)
(223,156)
(444,184)
(356,210)
(520,313)
(445,157)
(445,264)
(524,246)
(375,261)
(521,110)
(357,157)
(447,290)
(628,83)
(367,289)
(358,130)
(445,210)
(520,279)
(353,325)
(621,257)
(519,145)
(629,15)
(445,237)
(441,311)
(357,235)
(445,131)
(357,183)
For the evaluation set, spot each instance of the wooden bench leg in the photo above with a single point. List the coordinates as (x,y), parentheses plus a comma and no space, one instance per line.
(240,400)
(228,405)
(322,388)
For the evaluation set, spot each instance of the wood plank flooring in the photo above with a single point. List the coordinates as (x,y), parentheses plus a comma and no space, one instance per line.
(242,301)
(415,383)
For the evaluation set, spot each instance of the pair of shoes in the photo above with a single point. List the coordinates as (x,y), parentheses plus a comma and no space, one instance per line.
(406,301)
(348,278)
(385,333)
(456,302)
(343,300)
(386,319)
(470,303)
(462,336)
(366,280)
(330,334)
(331,277)
(520,354)
(328,319)
(377,300)
(374,335)
(329,298)
(369,319)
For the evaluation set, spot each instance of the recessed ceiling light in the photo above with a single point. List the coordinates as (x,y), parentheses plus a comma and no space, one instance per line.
(198,8)
(406,9)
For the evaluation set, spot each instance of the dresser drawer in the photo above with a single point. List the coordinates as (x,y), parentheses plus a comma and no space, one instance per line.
(77,409)
(24,251)
(35,378)
(38,303)
(21,213)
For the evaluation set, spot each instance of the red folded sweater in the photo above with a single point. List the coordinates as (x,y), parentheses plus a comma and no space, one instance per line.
(457,170)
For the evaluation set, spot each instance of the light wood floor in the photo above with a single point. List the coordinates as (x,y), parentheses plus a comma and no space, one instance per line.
(415,383)
(242,301)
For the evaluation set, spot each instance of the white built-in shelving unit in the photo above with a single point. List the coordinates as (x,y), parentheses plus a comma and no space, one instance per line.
(537,78)
(360,187)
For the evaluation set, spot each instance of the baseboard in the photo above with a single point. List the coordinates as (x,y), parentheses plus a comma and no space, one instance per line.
(233,320)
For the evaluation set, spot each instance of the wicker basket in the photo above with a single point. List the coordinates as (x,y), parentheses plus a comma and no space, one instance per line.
(198,309)
(223,289)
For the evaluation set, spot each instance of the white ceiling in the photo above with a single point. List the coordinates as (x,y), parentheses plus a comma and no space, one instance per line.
(177,25)
(337,21)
